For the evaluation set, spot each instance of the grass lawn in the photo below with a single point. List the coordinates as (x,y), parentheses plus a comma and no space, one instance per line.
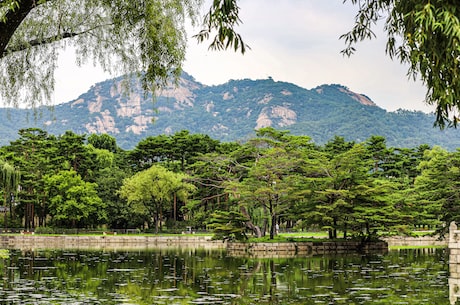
(320,234)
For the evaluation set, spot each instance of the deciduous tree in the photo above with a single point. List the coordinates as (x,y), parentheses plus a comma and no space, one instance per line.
(151,191)
(9,181)
(146,38)
(73,201)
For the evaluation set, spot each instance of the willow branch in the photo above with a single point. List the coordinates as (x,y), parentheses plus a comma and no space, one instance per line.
(48,40)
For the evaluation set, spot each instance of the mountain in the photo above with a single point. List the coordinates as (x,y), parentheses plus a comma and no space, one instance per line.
(228,112)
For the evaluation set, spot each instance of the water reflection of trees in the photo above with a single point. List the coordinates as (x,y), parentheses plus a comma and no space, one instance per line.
(169,277)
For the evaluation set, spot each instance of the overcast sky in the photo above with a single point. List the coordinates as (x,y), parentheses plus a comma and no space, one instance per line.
(295,41)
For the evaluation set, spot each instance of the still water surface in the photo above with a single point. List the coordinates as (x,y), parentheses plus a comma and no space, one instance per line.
(418,276)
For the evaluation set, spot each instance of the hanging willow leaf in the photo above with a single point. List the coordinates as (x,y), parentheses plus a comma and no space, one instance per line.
(10,178)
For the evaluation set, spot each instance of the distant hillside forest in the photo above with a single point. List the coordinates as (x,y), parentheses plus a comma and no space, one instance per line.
(228,112)
(167,183)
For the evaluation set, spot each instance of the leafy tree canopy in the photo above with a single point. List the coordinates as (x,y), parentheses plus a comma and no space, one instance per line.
(121,35)
(149,36)
(74,201)
(151,190)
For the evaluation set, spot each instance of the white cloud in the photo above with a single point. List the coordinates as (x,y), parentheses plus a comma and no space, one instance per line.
(298,41)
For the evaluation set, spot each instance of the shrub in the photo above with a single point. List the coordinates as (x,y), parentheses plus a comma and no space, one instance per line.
(44,230)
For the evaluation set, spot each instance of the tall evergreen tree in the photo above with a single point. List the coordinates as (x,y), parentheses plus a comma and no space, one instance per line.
(436,194)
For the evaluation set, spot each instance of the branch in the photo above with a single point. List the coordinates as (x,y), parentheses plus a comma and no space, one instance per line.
(48,40)
(212,197)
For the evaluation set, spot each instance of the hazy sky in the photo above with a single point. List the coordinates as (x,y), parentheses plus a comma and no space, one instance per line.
(295,41)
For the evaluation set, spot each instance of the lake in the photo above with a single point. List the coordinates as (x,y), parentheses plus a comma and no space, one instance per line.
(192,276)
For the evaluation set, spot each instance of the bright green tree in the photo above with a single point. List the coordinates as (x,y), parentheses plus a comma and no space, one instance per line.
(72,201)
(9,179)
(153,190)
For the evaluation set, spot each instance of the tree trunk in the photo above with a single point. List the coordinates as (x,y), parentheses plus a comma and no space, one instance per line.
(273,225)
(13,19)
(160,220)
(6,211)
(255,229)
(335,228)
(156,223)
(264,232)
(175,208)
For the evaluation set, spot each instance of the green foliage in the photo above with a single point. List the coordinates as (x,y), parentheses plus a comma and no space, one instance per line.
(144,38)
(152,191)
(103,141)
(436,190)
(44,230)
(320,114)
(363,190)
(4,253)
(9,181)
(119,215)
(425,35)
(72,201)
(228,225)
(176,151)
(223,16)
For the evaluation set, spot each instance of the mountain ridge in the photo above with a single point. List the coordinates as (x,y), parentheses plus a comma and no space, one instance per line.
(230,112)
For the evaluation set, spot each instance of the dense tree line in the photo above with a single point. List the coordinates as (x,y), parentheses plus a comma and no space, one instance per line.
(276,179)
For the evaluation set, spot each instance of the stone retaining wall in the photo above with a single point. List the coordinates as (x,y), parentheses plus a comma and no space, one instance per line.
(301,248)
(399,241)
(29,241)
(454,263)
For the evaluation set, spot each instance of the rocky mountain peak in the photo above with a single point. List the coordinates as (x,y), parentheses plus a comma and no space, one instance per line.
(332,89)
(230,112)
